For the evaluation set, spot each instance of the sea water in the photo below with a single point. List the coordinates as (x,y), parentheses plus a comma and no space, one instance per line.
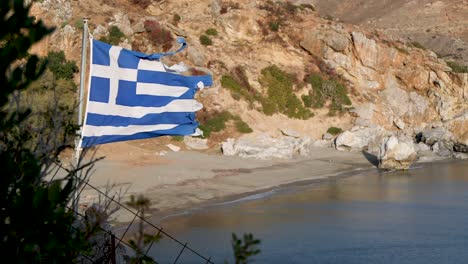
(416,216)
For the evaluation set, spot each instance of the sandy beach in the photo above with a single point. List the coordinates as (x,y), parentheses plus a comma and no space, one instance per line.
(185,180)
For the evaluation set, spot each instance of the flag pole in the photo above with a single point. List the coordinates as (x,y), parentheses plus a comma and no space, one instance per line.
(84,43)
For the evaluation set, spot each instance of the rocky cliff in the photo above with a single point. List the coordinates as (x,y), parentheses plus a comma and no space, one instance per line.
(393,88)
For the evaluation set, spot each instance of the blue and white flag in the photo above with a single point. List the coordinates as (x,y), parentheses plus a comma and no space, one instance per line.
(133,96)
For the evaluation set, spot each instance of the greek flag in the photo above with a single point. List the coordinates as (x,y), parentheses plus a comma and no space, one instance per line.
(135,96)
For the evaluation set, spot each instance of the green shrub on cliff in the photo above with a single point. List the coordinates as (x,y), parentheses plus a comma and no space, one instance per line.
(114,37)
(280,96)
(59,66)
(328,90)
(335,130)
(456,67)
(218,122)
(211,32)
(205,40)
(238,90)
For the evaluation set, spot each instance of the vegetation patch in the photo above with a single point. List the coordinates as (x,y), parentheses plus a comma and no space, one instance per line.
(142,3)
(279,13)
(114,37)
(211,32)
(307,100)
(158,35)
(242,126)
(205,40)
(280,96)
(456,67)
(274,25)
(324,90)
(418,45)
(52,99)
(238,84)
(79,24)
(176,19)
(177,138)
(60,66)
(227,6)
(218,121)
(335,130)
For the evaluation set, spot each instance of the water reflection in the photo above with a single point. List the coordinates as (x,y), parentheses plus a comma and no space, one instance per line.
(418,216)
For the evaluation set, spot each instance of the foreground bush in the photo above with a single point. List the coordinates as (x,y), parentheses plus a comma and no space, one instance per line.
(36,225)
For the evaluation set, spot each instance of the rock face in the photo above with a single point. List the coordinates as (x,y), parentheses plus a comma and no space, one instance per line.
(266,147)
(395,154)
(403,87)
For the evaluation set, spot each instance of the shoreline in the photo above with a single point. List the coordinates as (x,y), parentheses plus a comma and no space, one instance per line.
(254,195)
(264,193)
(184,182)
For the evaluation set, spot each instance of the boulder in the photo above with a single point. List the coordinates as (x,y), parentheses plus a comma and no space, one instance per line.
(322,144)
(396,154)
(399,123)
(328,136)
(443,148)
(290,133)
(196,56)
(432,135)
(266,147)
(421,147)
(357,139)
(122,21)
(173,147)
(139,27)
(215,8)
(460,148)
(460,156)
(459,127)
(100,31)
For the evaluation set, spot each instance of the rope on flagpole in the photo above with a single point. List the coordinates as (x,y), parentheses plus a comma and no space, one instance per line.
(77,153)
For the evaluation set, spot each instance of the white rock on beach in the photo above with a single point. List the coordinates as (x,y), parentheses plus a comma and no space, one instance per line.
(328,136)
(266,147)
(173,147)
(322,143)
(421,147)
(290,133)
(196,143)
(358,138)
(396,154)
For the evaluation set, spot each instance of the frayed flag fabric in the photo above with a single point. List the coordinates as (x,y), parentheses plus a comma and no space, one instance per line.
(133,95)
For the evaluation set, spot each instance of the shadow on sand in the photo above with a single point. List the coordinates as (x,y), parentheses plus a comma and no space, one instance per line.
(371,158)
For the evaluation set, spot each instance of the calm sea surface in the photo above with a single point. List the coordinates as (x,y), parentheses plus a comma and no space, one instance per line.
(419,216)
